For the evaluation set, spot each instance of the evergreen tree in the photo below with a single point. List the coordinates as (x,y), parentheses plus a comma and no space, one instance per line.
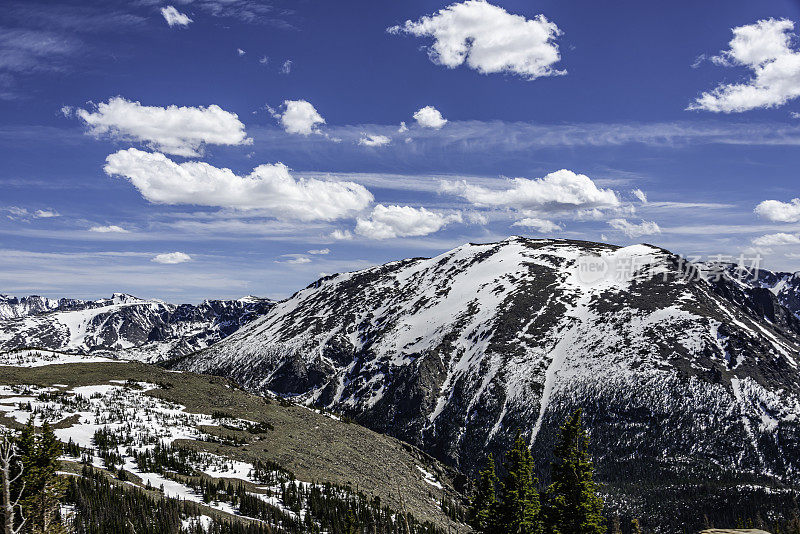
(616,526)
(520,509)
(41,487)
(483,508)
(573,506)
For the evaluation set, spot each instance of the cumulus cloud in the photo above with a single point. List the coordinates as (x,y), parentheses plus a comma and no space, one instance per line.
(641,195)
(429,117)
(286,68)
(181,131)
(110,229)
(175,17)
(320,251)
(780,238)
(777,211)
(543,226)
(557,191)
(269,188)
(298,117)
(766,49)
(635,230)
(374,140)
(488,39)
(171,258)
(387,222)
(240,52)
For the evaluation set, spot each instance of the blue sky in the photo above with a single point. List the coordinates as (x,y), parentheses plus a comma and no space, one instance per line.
(190,160)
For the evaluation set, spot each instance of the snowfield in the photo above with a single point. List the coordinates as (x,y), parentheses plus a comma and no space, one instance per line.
(458,352)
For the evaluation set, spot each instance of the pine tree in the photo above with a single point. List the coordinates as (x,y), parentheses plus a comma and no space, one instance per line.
(520,508)
(636,528)
(616,526)
(41,487)
(483,508)
(573,506)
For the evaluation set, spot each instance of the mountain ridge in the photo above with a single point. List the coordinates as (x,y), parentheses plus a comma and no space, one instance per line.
(507,351)
(123,325)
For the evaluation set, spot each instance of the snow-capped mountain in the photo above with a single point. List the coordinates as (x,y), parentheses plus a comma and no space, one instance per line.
(459,352)
(12,307)
(149,330)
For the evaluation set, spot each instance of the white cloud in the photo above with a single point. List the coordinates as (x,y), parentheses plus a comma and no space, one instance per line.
(23,214)
(321,251)
(765,49)
(295,259)
(489,39)
(777,211)
(181,131)
(386,222)
(557,191)
(541,225)
(171,258)
(374,140)
(780,238)
(113,228)
(264,60)
(403,128)
(175,17)
(46,214)
(641,195)
(299,117)
(240,52)
(635,230)
(474,217)
(15,212)
(269,188)
(429,117)
(342,235)
(286,68)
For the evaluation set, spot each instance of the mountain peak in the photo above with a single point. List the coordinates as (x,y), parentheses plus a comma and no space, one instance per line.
(458,352)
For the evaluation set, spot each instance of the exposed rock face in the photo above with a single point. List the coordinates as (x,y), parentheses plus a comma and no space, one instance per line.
(12,307)
(458,353)
(131,327)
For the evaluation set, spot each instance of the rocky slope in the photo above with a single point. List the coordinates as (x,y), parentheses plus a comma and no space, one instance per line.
(12,307)
(148,330)
(680,378)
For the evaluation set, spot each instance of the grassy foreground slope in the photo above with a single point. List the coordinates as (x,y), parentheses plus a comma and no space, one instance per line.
(315,447)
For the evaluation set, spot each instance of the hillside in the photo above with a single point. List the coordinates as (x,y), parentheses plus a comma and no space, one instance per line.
(683,381)
(229,432)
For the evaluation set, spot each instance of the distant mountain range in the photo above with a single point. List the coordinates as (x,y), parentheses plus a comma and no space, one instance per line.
(123,325)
